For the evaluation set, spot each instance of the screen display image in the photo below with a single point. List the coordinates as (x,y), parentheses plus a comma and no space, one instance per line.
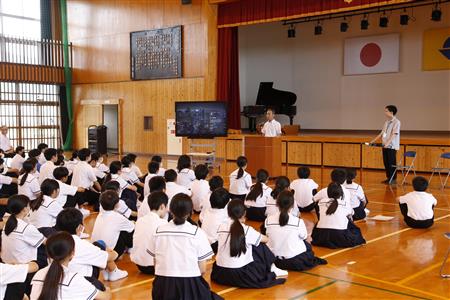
(201,119)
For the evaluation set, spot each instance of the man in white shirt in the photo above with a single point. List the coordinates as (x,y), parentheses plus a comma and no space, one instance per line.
(390,136)
(272,127)
(5,143)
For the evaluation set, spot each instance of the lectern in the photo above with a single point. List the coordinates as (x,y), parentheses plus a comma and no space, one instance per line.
(263,153)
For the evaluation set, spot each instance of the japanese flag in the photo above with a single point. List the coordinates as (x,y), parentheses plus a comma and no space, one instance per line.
(372,54)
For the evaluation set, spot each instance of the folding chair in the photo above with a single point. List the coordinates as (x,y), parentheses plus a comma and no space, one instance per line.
(447,235)
(439,169)
(405,168)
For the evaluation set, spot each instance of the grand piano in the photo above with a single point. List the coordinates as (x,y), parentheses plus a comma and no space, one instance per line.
(268,97)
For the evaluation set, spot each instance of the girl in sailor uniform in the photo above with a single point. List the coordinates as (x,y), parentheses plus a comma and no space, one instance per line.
(29,180)
(287,238)
(57,282)
(46,207)
(358,199)
(281,184)
(180,250)
(10,274)
(243,259)
(335,228)
(186,175)
(257,198)
(240,180)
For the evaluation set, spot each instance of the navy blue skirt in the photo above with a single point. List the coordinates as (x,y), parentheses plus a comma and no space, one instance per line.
(336,238)
(360,213)
(256,274)
(256,214)
(182,288)
(302,262)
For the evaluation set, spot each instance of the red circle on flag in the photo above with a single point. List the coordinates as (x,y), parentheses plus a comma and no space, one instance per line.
(370,55)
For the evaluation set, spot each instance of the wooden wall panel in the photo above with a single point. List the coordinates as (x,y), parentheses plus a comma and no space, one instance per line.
(283,152)
(427,157)
(305,153)
(234,149)
(372,157)
(342,155)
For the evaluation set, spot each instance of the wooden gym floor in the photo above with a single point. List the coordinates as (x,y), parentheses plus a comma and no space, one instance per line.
(396,263)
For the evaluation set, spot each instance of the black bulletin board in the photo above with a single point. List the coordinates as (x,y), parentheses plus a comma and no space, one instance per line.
(156,54)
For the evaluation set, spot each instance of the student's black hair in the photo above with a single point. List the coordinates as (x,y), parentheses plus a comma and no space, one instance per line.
(34,153)
(18,149)
(15,205)
(153,167)
(132,157)
(215,182)
(155,200)
(59,247)
(219,198)
(95,156)
(285,201)
(111,185)
(338,175)
(157,184)
(157,158)
(392,109)
(420,184)
(181,208)
(241,163)
(236,210)
(60,160)
(109,199)
(334,192)
(126,161)
(68,220)
(27,167)
(257,189)
(170,175)
(281,184)
(2,161)
(49,153)
(48,186)
(74,155)
(42,146)
(351,174)
(114,168)
(60,151)
(303,172)
(184,162)
(83,154)
(60,172)
(201,171)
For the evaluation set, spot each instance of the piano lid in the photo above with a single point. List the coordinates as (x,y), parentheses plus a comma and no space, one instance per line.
(269,96)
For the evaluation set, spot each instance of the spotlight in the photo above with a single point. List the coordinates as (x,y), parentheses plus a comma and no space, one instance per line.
(404,18)
(344,26)
(318,29)
(291,31)
(384,20)
(436,14)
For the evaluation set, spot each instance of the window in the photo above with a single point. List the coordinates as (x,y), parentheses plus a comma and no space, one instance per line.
(20,18)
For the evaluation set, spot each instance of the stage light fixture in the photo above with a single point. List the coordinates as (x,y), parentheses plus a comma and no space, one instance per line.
(436,14)
(291,31)
(384,21)
(344,26)
(318,29)
(365,23)
(404,18)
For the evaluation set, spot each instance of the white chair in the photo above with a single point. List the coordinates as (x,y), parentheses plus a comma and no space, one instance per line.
(439,169)
(405,168)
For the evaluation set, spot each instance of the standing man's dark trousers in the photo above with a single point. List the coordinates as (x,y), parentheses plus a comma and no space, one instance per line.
(389,160)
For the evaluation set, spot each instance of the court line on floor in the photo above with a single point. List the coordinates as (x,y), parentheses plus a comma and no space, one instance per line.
(227,290)
(417,274)
(132,285)
(314,289)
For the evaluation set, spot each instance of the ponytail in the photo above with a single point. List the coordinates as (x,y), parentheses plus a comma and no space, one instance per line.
(236,210)
(27,167)
(50,288)
(15,205)
(285,202)
(281,184)
(351,174)
(48,186)
(257,189)
(334,192)
(241,163)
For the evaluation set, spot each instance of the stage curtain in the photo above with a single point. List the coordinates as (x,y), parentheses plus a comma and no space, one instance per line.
(228,74)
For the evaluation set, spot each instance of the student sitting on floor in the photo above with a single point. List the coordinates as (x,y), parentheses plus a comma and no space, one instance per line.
(335,229)
(18,159)
(129,175)
(47,168)
(358,200)
(8,184)
(287,237)
(122,208)
(281,184)
(14,273)
(66,197)
(257,198)
(240,180)
(41,158)
(215,182)
(156,184)
(305,188)
(417,206)
(200,186)
(173,188)
(35,153)
(158,159)
(72,162)
(46,207)
(145,228)
(180,250)
(94,164)
(133,167)
(212,217)
(153,170)
(127,190)
(111,227)
(28,180)
(57,281)
(185,174)
(89,258)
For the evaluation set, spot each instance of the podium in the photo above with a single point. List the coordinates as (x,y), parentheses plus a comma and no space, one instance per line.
(263,153)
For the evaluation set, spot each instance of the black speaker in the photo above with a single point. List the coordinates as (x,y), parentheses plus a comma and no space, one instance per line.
(184,2)
(97,141)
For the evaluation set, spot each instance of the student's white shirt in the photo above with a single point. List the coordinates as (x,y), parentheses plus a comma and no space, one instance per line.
(161,171)
(144,209)
(242,185)
(303,191)
(10,273)
(286,241)
(272,208)
(186,177)
(338,220)
(211,219)
(17,162)
(356,194)
(173,188)
(73,286)
(64,191)
(223,257)
(391,128)
(135,169)
(200,190)
(323,194)
(83,175)
(122,182)
(5,143)
(420,205)
(271,128)
(86,256)
(108,226)
(102,167)
(31,187)
(129,176)
(261,200)
(20,246)
(46,171)
(41,158)
(205,203)
(98,173)
(143,233)
(178,249)
(146,182)
(5,180)
(45,215)
(70,165)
